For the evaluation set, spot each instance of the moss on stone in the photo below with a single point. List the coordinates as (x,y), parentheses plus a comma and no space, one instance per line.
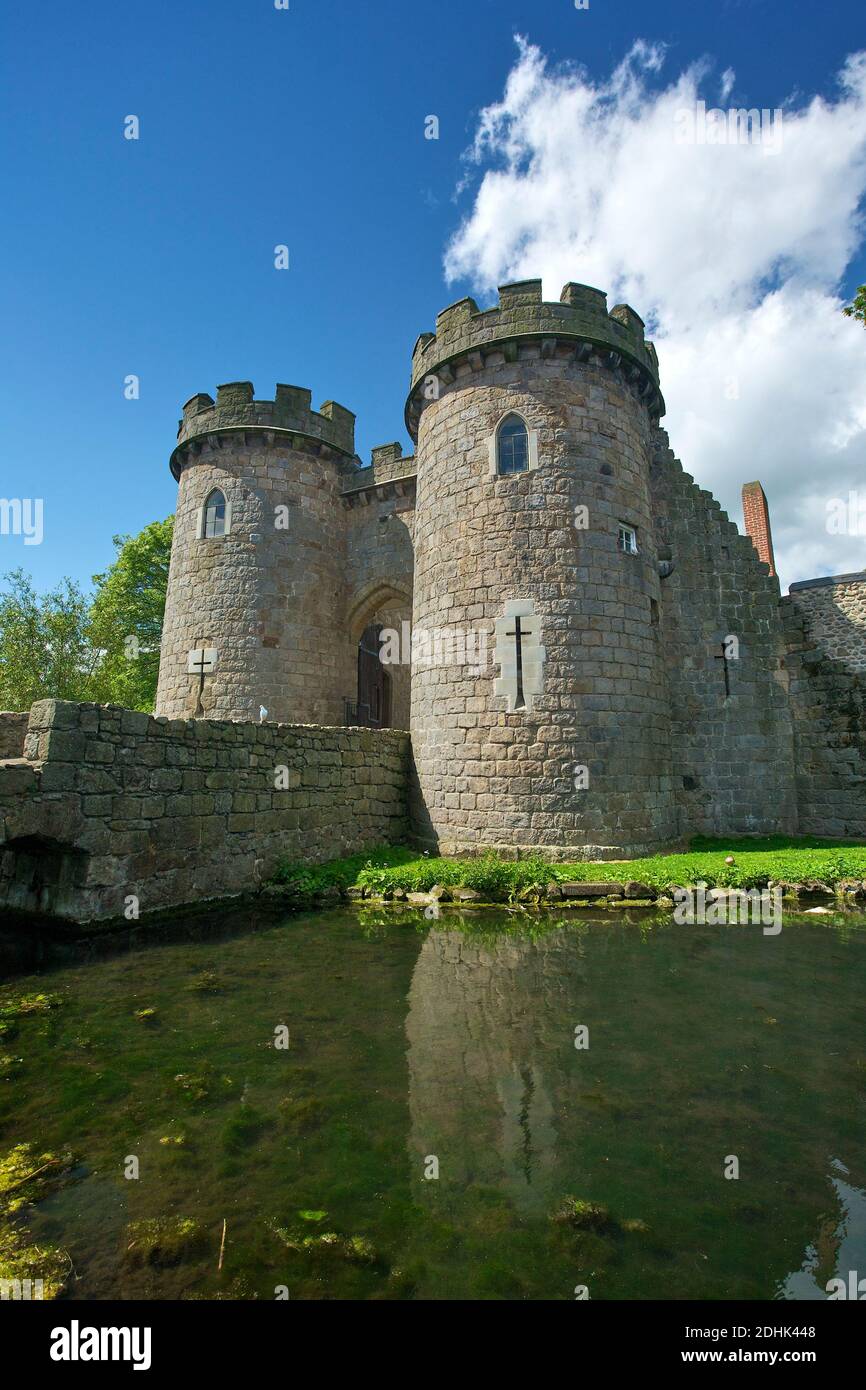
(163,1241)
(242,1129)
(208,982)
(26,1175)
(300,1112)
(13,1010)
(582,1215)
(329,1245)
(21,1260)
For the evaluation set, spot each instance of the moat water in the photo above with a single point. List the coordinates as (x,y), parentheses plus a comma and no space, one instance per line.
(415,1046)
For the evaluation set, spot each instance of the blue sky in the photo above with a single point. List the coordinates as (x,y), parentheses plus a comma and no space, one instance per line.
(258,127)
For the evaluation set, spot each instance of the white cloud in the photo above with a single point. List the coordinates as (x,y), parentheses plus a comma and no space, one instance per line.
(732,253)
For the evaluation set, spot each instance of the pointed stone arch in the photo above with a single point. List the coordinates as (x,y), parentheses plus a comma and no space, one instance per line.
(383,603)
(365,604)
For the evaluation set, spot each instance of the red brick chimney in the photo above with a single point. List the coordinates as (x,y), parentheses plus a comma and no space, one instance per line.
(756,515)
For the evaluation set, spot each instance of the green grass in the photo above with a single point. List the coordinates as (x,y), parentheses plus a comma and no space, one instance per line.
(310,879)
(756,861)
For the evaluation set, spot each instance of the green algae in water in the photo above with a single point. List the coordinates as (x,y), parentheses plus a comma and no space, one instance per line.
(22,1260)
(13,1009)
(163,1240)
(582,1215)
(25,1177)
(411,1039)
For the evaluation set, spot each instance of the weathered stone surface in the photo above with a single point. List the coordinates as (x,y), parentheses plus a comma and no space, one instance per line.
(13,731)
(835,612)
(18,777)
(116,829)
(592,890)
(638,890)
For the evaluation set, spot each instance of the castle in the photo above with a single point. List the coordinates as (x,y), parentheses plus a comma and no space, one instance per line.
(590,659)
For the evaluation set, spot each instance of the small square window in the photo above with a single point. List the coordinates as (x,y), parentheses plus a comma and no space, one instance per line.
(627,539)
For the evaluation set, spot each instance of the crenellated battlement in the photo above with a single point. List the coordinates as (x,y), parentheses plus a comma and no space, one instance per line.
(389,472)
(290,411)
(579,324)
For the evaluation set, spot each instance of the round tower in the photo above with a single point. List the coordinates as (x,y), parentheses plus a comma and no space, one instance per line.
(534,541)
(256,584)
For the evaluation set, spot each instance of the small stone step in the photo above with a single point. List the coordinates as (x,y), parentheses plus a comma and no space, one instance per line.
(639,890)
(592,890)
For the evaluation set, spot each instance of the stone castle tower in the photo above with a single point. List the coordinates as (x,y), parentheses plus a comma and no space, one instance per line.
(591,659)
(541,549)
(256,570)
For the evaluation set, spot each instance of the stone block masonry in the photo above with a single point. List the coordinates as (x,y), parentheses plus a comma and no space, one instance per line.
(112,812)
(828,703)
(13,728)
(731,718)
(835,612)
(314,549)
(584,382)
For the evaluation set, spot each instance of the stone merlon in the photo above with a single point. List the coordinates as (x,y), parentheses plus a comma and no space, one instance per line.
(579,324)
(290,412)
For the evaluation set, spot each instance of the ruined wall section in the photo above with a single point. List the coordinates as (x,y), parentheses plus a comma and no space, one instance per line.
(828,705)
(835,612)
(733,750)
(13,730)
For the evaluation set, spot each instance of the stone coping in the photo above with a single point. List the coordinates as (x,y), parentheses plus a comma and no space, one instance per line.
(362,483)
(828,579)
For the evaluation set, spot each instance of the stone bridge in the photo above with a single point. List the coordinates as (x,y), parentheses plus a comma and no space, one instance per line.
(107,813)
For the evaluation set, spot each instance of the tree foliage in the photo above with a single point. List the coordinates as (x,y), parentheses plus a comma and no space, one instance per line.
(857,309)
(70,645)
(126,615)
(44,649)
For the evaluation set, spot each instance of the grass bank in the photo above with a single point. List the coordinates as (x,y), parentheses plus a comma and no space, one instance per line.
(797,865)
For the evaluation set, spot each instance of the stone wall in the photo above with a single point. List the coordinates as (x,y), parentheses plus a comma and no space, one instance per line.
(835,611)
(13,728)
(733,740)
(109,804)
(828,706)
